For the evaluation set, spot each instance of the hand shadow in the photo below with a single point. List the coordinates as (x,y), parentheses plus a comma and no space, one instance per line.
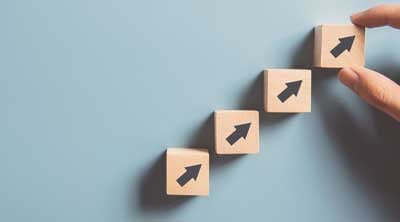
(252,99)
(372,154)
(389,67)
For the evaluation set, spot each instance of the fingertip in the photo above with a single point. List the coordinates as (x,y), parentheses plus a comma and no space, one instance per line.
(355,68)
(355,18)
(373,87)
(349,77)
(361,70)
(380,15)
(343,71)
(360,18)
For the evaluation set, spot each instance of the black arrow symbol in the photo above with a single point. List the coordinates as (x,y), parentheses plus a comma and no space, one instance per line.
(292,88)
(192,172)
(345,44)
(241,131)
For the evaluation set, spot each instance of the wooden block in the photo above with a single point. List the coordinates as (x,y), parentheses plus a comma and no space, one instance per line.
(337,46)
(236,131)
(187,171)
(287,90)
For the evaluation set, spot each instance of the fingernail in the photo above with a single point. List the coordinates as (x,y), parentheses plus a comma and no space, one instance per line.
(355,16)
(349,78)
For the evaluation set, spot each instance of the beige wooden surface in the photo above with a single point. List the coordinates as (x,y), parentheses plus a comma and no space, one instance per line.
(275,82)
(177,160)
(225,122)
(326,37)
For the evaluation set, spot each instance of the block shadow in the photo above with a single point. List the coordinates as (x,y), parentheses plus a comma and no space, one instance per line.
(253,96)
(252,99)
(303,59)
(390,68)
(151,195)
(152,188)
(303,55)
(369,150)
(204,138)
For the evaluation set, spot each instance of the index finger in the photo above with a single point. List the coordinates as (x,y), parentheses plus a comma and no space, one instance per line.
(387,14)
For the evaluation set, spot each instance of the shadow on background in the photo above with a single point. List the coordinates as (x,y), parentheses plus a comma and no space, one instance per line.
(204,138)
(390,67)
(373,157)
(252,98)
(253,95)
(371,150)
(384,180)
(152,189)
(303,55)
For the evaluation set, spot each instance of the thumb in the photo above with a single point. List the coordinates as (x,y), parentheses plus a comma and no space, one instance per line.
(374,88)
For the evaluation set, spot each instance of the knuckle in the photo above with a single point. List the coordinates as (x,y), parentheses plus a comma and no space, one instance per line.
(383,7)
(387,11)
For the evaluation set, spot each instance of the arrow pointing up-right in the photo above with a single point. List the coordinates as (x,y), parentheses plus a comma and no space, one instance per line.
(241,132)
(192,172)
(292,88)
(345,44)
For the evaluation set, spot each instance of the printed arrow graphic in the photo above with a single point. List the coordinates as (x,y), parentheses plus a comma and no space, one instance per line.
(292,88)
(240,132)
(345,44)
(192,172)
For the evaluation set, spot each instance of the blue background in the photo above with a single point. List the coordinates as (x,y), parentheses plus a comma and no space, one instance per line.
(92,92)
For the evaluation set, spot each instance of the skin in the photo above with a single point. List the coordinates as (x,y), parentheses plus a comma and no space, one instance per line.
(373,87)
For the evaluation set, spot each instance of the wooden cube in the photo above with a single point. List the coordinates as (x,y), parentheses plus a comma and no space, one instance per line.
(337,46)
(236,131)
(287,90)
(187,171)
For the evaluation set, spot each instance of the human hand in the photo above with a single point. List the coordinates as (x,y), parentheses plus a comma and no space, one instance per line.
(373,87)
